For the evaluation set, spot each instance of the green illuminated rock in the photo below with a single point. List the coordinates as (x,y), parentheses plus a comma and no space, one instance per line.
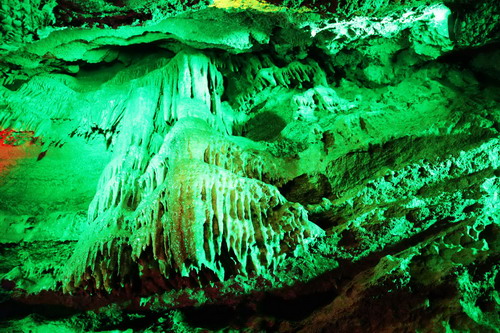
(249,165)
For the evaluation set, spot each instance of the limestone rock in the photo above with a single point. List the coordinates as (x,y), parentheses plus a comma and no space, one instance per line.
(249,165)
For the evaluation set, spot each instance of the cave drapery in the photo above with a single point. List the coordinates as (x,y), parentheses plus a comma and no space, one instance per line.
(249,165)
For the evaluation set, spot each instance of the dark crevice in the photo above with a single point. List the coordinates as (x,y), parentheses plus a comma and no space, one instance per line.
(296,308)
(11,310)
(215,317)
(307,189)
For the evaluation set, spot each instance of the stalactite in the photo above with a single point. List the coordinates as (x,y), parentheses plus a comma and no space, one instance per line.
(20,20)
(181,188)
(262,74)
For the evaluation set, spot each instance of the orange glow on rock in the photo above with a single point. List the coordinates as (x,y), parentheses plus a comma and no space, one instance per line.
(16,145)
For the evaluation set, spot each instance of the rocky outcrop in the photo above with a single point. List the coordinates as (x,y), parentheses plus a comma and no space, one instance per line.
(249,165)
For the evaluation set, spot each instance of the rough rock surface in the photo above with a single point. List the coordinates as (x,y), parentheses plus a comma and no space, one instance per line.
(292,166)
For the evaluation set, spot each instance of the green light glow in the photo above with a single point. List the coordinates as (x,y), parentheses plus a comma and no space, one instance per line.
(291,164)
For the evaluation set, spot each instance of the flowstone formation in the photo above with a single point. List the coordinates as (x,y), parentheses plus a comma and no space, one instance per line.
(249,165)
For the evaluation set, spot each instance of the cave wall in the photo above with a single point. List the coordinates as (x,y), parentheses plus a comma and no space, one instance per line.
(249,165)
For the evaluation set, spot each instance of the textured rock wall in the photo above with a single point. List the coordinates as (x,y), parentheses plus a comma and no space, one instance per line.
(249,165)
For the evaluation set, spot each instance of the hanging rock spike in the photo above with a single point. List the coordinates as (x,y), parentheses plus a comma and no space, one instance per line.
(191,200)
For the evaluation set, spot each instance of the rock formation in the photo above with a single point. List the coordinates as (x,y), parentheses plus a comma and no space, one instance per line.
(249,165)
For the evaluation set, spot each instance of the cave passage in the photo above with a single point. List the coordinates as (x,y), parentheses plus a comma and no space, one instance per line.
(249,165)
